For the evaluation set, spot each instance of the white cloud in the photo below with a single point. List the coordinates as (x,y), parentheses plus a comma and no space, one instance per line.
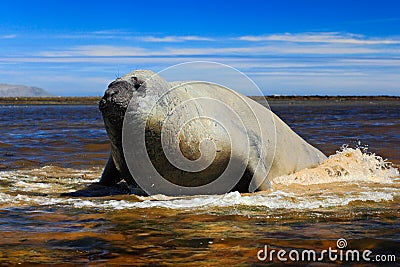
(306,37)
(173,39)
(262,50)
(101,34)
(341,61)
(96,51)
(125,35)
(383,62)
(8,36)
(316,75)
(297,73)
(110,32)
(320,37)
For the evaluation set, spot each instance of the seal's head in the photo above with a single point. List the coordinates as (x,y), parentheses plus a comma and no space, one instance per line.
(113,106)
(120,92)
(116,99)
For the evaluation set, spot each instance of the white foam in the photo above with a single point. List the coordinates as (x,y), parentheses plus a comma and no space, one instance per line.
(348,165)
(276,200)
(349,175)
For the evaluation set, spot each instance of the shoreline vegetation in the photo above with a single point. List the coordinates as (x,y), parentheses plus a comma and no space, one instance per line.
(271,99)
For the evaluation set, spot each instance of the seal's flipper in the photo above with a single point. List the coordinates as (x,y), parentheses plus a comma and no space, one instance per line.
(259,179)
(111,175)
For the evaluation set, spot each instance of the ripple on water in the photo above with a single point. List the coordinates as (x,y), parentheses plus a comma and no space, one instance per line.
(39,225)
(349,175)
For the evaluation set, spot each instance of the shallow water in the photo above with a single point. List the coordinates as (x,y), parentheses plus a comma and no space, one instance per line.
(49,150)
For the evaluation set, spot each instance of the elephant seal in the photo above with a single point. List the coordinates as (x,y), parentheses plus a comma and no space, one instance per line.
(253,142)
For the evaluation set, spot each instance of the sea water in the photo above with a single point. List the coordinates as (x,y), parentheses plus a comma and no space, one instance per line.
(48,152)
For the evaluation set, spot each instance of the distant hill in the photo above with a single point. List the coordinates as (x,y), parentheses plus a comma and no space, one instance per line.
(12,90)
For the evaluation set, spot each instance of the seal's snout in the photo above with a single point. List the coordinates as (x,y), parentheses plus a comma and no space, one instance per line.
(118,93)
(107,100)
(115,101)
(102,104)
(110,97)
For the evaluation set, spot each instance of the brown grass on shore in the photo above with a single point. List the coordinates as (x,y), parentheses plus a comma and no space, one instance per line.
(61,100)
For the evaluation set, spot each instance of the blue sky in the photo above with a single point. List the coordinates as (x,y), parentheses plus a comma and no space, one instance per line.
(286,47)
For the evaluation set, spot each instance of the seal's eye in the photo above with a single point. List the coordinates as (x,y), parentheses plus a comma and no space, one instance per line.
(136,82)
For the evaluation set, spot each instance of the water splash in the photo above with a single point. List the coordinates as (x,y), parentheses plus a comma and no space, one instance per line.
(347,165)
(351,175)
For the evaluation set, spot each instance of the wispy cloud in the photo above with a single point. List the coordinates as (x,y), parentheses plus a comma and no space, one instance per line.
(101,34)
(295,61)
(8,36)
(97,51)
(261,50)
(306,38)
(320,37)
(304,44)
(174,39)
(126,35)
